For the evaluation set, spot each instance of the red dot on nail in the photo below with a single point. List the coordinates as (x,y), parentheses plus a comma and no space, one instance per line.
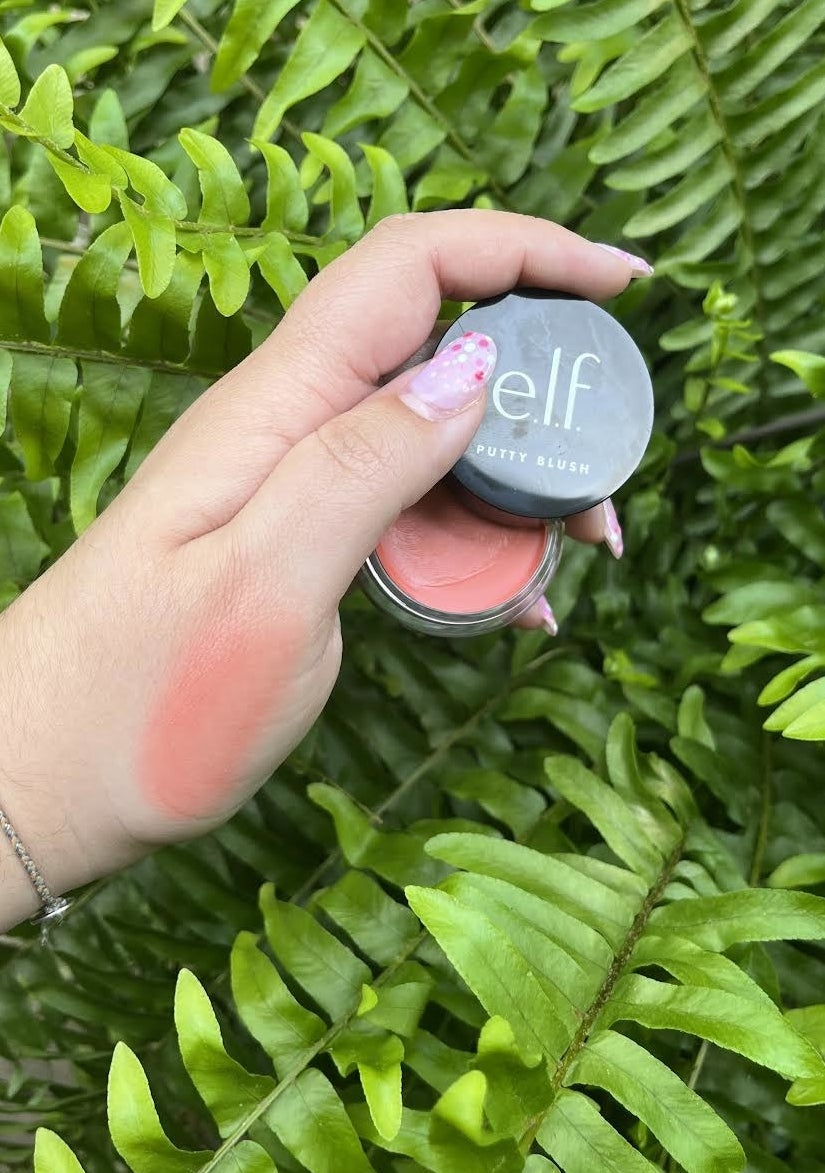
(456,346)
(479,375)
(483,342)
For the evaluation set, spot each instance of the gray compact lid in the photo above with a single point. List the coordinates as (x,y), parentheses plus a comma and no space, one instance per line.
(569,405)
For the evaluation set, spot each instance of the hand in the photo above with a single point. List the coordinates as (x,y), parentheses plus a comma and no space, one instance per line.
(155,675)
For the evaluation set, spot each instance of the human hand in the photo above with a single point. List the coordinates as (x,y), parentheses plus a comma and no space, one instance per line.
(157,672)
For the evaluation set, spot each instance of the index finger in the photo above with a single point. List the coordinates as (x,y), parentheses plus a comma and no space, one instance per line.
(360,318)
(380,300)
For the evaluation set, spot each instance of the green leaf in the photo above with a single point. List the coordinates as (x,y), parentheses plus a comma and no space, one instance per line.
(228,271)
(86,61)
(653,113)
(49,107)
(759,1033)
(799,871)
(809,367)
(159,329)
(109,403)
(591,22)
(89,316)
(330,1144)
(802,716)
(396,856)
(161,196)
(681,1121)
(136,1131)
(652,55)
(701,185)
(107,124)
(609,813)
(497,974)
(553,879)
(376,92)
(694,966)
(225,201)
(229,1091)
(21,548)
(9,93)
(246,32)
(389,191)
(281,270)
(346,219)
(382,1090)
(155,246)
(328,971)
(380,926)
(52,1155)
(717,922)
(286,203)
(803,525)
(786,681)
(285,1029)
(164,12)
(518,807)
(22,316)
(5,383)
(579,1138)
(42,392)
(92,193)
(326,46)
(779,109)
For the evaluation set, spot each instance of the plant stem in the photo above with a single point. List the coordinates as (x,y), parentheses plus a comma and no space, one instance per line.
(732,158)
(424,101)
(603,996)
(796,421)
(763,826)
(216,1161)
(250,85)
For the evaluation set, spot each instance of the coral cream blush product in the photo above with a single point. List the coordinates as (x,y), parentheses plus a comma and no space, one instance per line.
(569,415)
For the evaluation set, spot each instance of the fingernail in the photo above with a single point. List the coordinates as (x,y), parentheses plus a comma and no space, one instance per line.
(548,619)
(612,531)
(638,265)
(453,379)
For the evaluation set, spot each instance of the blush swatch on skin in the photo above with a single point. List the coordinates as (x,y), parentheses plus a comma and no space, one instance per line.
(446,557)
(211,715)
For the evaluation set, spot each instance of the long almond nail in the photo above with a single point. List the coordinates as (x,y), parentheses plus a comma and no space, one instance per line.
(612,530)
(638,265)
(453,379)
(548,619)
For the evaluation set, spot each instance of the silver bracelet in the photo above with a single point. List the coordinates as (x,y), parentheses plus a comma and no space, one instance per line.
(54,908)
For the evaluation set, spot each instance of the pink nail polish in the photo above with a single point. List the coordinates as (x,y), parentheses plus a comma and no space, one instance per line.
(639,266)
(612,531)
(453,379)
(548,619)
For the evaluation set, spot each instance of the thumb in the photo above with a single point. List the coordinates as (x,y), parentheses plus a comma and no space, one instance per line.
(348,481)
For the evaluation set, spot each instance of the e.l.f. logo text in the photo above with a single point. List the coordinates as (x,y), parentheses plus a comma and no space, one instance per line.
(527,390)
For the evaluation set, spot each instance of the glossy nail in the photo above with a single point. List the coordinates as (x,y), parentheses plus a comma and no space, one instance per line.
(639,266)
(612,530)
(548,619)
(453,379)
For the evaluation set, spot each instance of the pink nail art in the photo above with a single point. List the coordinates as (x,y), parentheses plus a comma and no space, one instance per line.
(453,379)
(612,531)
(640,267)
(548,619)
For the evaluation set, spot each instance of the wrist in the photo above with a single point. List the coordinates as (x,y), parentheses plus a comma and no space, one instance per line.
(49,791)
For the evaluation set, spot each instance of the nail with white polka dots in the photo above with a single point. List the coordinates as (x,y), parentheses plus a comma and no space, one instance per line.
(453,379)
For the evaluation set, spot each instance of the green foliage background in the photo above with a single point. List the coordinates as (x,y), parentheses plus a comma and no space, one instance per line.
(557,898)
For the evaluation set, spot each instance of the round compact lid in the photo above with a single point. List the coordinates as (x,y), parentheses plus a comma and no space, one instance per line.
(569,405)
